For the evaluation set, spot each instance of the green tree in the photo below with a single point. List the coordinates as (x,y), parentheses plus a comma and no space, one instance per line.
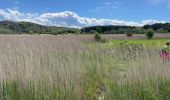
(97,37)
(129,32)
(149,33)
(99,30)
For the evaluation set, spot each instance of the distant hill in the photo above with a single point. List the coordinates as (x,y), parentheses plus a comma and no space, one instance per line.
(111,29)
(6,31)
(105,29)
(159,27)
(9,27)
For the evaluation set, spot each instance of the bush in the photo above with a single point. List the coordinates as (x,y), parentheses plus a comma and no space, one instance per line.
(97,37)
(129,34)
(149,33)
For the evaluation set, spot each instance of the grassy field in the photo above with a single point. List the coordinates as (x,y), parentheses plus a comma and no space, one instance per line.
(47,67)
(146,43)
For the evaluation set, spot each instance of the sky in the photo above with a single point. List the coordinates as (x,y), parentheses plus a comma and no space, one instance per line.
(81,13)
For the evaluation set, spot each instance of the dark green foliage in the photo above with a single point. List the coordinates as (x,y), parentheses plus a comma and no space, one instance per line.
(97,37)
(157,26)
(129,34)
(113,30)
(149,33)
(110,32)
(107,29)
(93,32)
(9,27)
(6,31)
(65,31)
(32,28)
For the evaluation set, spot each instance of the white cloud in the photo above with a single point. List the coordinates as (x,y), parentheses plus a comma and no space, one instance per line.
(66,19)
(150,22)
(10,14)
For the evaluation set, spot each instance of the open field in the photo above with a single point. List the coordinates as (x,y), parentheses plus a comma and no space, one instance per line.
(86,38)
(152,44)
(63,67)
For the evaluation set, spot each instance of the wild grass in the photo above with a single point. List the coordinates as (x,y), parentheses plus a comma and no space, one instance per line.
(153,43)
(57,68)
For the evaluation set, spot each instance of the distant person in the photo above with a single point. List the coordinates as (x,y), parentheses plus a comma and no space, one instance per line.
(165,52)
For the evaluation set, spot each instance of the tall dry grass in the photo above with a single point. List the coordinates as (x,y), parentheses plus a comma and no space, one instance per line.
(63,68)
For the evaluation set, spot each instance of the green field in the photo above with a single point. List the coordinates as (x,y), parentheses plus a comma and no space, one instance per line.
(153,43)
(65,68)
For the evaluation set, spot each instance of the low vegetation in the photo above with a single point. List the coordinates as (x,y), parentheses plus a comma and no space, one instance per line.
(97,37)
(64,68)
(149,33)
(129,34)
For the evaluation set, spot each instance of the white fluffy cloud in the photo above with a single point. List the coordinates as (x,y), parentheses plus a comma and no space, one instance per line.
(66,19)
(10,14)
(152,22)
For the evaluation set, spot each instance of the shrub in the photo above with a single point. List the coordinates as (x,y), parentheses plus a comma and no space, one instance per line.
(149,33)
(129,34)
(97,37)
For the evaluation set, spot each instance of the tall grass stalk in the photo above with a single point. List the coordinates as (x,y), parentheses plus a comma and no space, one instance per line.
(57,68)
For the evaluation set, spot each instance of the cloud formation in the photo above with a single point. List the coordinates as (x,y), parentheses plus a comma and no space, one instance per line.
(66,19)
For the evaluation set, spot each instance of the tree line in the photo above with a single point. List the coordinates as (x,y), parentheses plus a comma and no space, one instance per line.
(9,27)
(157,28)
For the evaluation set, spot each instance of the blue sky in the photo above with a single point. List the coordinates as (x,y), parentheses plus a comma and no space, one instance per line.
(80,13)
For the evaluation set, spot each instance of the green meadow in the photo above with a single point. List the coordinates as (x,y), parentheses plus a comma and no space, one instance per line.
(64,68)
(153,43)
